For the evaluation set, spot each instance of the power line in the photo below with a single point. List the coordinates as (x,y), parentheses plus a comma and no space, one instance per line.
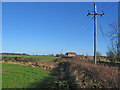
(101,29)
(106,11)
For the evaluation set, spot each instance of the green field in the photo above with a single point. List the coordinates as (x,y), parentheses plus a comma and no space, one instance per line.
(24,57)
(19,76)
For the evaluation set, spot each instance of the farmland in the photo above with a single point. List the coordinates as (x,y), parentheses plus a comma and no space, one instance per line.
(19,76)
(42,58)
(56,72)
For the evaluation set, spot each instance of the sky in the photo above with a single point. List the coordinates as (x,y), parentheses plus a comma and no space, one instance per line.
(55,27)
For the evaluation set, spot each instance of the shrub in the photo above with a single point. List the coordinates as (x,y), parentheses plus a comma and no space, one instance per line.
(108,76)
(35,60)
(57,55)
(92,75)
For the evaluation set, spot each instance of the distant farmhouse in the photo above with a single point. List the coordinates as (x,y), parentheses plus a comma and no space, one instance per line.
(72,54)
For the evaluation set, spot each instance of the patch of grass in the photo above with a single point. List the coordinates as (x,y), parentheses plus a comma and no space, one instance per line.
(19,76)
(26,58)
(45,58)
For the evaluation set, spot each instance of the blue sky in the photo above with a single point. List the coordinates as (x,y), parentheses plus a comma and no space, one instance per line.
(46,28)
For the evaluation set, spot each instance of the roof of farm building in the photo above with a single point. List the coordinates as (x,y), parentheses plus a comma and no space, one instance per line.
(80,55)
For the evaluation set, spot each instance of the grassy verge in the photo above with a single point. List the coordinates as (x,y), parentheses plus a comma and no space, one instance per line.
(19,76)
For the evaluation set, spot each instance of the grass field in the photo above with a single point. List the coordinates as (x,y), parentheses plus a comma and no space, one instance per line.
(42,58)
(45,58)
(18,76)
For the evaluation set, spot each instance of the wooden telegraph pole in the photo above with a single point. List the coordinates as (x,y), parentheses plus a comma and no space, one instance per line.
(95,30)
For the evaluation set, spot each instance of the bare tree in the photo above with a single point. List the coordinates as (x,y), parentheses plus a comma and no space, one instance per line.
(114,35)
(111,55)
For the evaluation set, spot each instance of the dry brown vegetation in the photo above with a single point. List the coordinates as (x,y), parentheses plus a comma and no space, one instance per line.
(89,75)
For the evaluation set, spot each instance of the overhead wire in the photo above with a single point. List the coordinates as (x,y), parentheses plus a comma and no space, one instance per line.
(106,11)
(101,29)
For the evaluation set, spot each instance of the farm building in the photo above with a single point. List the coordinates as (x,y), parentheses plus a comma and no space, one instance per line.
(89,56)
(70,54)
(81,56)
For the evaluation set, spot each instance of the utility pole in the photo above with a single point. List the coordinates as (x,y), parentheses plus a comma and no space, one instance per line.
(95,30)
